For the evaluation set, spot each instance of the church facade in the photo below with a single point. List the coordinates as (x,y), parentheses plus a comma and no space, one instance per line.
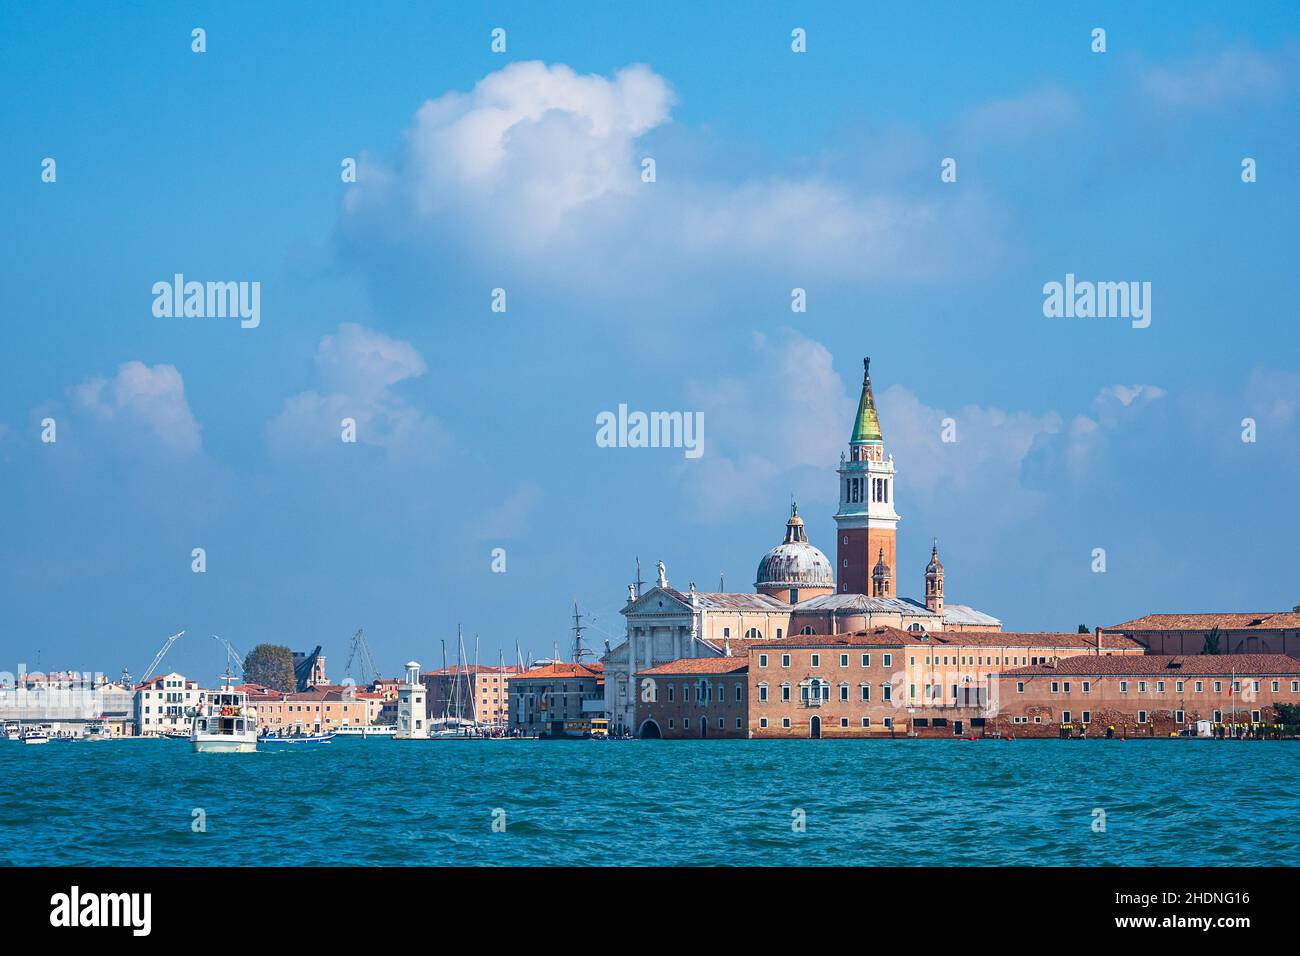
(796,589)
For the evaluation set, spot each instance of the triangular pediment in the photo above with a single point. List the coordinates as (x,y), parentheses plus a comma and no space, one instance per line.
(659,601)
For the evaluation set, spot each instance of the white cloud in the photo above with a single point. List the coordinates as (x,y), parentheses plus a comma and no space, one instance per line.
(358,368)
(1030,113)
(144,399)
(542,165)
(1230,76)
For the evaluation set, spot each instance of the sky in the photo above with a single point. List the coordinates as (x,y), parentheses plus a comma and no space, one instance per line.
(523,171)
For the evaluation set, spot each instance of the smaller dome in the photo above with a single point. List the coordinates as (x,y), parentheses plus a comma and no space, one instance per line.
(881,570)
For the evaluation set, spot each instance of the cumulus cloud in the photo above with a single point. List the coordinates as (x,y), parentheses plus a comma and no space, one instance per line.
(1030,113)
(542,165)
(145,401)
(358,369)
(1229,76)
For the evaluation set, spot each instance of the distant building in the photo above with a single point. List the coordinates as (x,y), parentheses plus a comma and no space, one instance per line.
(544,698)
(309,668)
(412,712)
(470,692)
(68,700)
(694,698)
(797,590)
(165,704)
(1150,695)
(1265,632)
(313,711)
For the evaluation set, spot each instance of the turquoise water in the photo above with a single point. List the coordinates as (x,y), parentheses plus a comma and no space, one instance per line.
(902,803)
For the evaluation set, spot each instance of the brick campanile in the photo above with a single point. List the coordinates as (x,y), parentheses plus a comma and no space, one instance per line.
(866,523)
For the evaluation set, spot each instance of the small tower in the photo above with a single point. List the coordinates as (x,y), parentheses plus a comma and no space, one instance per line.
(412,719)
(934,581)
(881,585)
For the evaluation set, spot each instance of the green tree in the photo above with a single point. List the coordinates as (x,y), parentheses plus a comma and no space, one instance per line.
(1083,628)
(271,666)
(1211,641)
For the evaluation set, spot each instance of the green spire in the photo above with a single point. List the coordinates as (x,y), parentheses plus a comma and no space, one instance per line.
(866,427)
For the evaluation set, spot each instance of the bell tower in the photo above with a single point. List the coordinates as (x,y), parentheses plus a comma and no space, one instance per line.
(866,522)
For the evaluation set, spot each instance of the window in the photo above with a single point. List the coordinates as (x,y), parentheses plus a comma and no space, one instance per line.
(1065,686)
(686,723)
(785,721)
(1254,716)
(1142,687)
(1218,686)
(1020,687)
(1200,686)
(1178,716)
(1160,687)
(1055,687)
(762,692)
(816,660)
(1142,716)
(1276,686)
(866,660)
(808,628)
(844,660)
(844,692)
(722,724)
(865,691)
(739,724)
(753,634)
(740,693)
(889,660)
(1065,717)
(670,692)
(866,721)
(889,721)
(785,660)
(888,691)
(911,691)
(1218,716)
(1295,687)
(844,721)
(1087,716)
(1123,687)
(1178,686)
(762,721)
(785,691)
(762,660)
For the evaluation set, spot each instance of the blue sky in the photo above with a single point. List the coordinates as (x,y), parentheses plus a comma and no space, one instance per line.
(774,170)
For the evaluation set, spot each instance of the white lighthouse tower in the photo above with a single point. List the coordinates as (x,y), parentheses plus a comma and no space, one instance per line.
(412,720)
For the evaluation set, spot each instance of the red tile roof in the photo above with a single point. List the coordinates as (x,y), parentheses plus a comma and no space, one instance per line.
(700,665)
(878,636)
(563,670)
(1146,665)
(1036,639)
(1263,620)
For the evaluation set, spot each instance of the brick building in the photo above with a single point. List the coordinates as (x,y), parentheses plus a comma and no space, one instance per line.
(694,697)
(1150,695)
(313,711)
(888,681)
(545,699)
(469,692)
(1267,632)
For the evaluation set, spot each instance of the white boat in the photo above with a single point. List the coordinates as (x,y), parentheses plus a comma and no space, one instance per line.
(13,730)
(226,723)
(96,730)
(35,735)
(365,730)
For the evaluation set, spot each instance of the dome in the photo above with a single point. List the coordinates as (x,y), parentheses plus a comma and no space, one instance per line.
(794,563)
(935,566)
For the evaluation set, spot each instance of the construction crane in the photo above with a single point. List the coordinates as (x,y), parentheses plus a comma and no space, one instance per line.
(232,656)
(157,658)
(365,661)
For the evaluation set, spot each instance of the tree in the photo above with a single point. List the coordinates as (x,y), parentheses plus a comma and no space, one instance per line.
(1211,641)
(1083,628)
(271,666)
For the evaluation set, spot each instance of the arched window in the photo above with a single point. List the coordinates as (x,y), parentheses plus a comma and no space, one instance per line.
(753,634)
(808,629)
(915,626)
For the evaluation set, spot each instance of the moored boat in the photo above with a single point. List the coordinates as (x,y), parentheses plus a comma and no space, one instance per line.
(35,735)
(296,738)
(13,730)
(366,730)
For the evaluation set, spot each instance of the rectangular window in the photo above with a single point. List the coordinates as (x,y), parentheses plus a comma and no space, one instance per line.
(889,721)
(889,660)
(1200,686)
(762,660)
(1142,716)
(844,721)
(1160,687)
(816,660)
(785,691)
(1142,687)
(1055,687)
(785,660)
(739,724)
(1276,686)
(1065,686)
(866,691)
(1020,687)
(1123,687)
(888,691)
(1218,687)
(844,660)
(1065,717)
(866,721)
(785,721)
(866,660)
(1178,716)
(762,721)
(1178,686)
(1087,716)
(844,692)
(762,692)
